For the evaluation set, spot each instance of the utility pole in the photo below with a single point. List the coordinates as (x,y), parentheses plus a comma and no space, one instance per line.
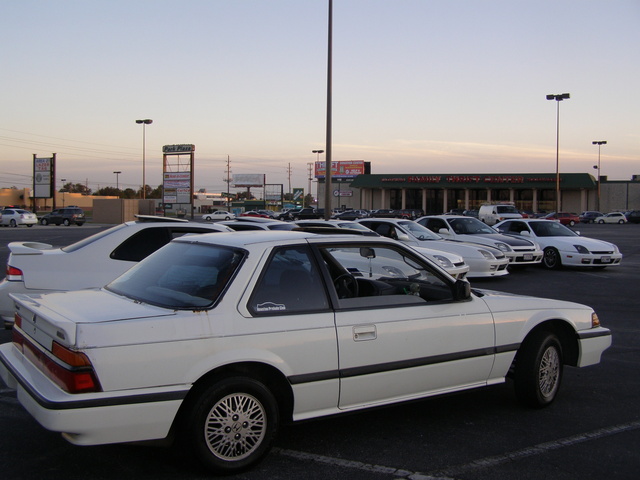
(289,177)
(310,168)
(228,182)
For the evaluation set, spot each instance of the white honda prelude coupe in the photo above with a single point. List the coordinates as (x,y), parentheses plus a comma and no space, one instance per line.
(216,339)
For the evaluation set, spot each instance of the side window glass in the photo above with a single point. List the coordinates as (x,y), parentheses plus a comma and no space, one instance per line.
(506,227)
(290,283)
(438,225)
(393,276)
(141,245)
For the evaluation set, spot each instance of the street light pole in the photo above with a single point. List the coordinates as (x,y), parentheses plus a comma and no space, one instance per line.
(117,173)
(599,143)
(329,141)
(558,98)
(144,123)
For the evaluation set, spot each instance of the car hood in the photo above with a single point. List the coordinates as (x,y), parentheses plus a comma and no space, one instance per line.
(497,237)
(509,302)
(591,244)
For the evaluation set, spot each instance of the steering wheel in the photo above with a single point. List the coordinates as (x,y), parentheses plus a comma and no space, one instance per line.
(346,286)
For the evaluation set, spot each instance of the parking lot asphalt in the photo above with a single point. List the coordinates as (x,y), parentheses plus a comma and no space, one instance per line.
(591,432)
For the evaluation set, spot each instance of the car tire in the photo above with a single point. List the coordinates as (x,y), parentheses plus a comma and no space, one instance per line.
(538,370)
(44,221)
(600,221)
(551,258)
(66,222)
(227,218)
(12,223)
(208,219)
(572,223)
(620,222)
(232,424)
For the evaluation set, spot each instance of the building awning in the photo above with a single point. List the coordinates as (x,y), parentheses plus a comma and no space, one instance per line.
(518,181)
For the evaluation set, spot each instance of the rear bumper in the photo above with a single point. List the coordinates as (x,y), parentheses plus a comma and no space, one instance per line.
(95,418)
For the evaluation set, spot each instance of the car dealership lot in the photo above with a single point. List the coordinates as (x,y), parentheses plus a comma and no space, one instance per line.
(591,431)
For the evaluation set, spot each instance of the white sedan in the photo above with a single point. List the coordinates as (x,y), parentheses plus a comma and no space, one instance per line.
(561,245)
(220,338)
(35,267)
(218,215)
(483,261)
(519,251)
(18,216)
(613,217)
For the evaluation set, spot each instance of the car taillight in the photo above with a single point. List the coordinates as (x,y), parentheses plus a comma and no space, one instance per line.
(14,274)
(70,370)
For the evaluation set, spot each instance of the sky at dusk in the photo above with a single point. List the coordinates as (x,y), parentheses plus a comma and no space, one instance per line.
(419,86)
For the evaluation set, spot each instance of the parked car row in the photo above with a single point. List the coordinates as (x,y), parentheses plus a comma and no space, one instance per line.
(15,217)
(463,246)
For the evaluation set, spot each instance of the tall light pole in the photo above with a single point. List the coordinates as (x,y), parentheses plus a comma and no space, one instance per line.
(144,123)
(117,173)
(558,98)
(328,146)
(599,143)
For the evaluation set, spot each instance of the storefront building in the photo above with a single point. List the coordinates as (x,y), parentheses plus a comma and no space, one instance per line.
(438,193)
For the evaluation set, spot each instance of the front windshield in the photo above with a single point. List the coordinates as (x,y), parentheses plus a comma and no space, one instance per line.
(180,276)
(470,226)
(420,232)
(354,226)
(548,228)
(506,209)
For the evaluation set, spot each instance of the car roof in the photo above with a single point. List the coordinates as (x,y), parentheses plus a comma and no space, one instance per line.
(156,218)
(218,227)
(257,220)
(252,237)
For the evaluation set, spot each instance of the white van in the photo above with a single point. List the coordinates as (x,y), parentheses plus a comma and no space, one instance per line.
(494,213)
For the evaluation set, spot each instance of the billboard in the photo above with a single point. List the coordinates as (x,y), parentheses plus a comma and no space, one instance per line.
(344,169)
(43,177)
(248,180)
(177,187)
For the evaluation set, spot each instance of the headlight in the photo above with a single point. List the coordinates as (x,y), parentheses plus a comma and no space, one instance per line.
(581,249)
(487,254)
(503,247)
(443,261)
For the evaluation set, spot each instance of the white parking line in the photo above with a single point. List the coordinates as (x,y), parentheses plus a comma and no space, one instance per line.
(449,473)
(541,448)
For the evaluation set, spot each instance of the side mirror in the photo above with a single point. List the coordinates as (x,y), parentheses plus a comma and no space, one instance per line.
(525,233)
(367,252)
(444,231)
(403,237)
(461,290)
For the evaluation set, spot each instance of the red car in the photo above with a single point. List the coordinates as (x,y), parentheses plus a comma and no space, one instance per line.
(564,218)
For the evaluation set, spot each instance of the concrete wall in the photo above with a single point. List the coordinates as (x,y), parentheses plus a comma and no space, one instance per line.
(619,196)
(120,210)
